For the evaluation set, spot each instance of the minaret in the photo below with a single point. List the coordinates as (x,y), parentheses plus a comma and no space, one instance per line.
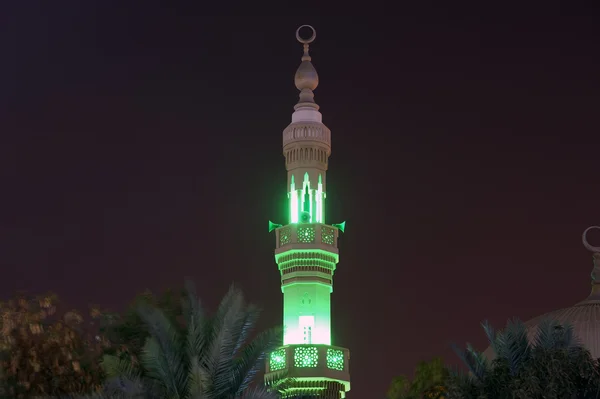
(306,254)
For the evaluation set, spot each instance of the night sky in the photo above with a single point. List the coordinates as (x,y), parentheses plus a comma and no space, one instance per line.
(141,144)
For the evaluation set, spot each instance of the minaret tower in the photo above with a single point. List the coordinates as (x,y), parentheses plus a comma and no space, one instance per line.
(307,254)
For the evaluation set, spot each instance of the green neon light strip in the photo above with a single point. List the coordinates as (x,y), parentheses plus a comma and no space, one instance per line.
(293,202)
(320,211)
(306,206)
(311,204)
(307,199)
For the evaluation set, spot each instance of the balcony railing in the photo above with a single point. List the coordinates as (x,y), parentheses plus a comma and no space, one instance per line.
(307,235)
(310,361)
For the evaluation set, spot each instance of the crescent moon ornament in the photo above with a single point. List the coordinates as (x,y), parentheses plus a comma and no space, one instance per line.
(586,244)
(309,40)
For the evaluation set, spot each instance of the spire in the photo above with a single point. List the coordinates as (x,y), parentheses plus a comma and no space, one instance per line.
(306,78)
(595,294)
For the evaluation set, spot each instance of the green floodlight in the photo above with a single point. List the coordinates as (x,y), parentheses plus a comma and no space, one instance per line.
(273,226)
(340,226)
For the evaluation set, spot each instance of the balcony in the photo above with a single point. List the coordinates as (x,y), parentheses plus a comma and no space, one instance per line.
(306,236)
(310,362)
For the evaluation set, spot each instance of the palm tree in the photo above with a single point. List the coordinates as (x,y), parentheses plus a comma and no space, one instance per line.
(127,333)
(552,365)
(428,382)
(207,358)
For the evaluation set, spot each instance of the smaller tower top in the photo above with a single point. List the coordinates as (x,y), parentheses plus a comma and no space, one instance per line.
(595,295)
(586,244)
(306,78)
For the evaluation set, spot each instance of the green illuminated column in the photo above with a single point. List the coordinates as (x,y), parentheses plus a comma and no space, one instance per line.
(306,286)
(307,199)
(306,254)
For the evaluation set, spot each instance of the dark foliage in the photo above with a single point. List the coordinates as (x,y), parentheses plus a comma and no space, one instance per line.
(204,357)
(553,365)
(46,351)
(427,383)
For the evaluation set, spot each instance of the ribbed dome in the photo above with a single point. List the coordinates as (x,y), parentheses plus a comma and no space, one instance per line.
(583,316)
(585,319)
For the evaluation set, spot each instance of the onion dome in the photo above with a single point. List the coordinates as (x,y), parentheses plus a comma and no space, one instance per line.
(306,78)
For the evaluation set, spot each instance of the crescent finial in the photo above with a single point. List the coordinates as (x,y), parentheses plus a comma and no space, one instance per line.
(310,39)
(586,244)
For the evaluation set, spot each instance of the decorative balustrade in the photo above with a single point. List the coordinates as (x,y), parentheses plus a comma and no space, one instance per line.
(306,360)
(307,235)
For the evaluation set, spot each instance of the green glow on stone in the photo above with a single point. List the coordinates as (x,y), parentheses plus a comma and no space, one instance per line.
(285,236)
(307,313)
(320,216)
(307,253)
(306,298)
(327,235)
(277,360)
(293,194)
(311,208)
(306,356)
(335,359)
(307,324)
(306,196)
(307,199)
(306,234)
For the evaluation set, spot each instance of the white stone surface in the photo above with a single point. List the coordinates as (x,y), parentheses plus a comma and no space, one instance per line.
(307,114)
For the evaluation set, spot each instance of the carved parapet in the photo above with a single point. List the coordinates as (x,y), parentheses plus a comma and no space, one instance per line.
(306,236)
(306,252)
(309,366)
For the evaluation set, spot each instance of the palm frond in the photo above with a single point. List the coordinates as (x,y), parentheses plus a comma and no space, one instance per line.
(496,339)
(162,355)
(198,379)
(126,388)
(191,305)
(252,313)
(475,362)
(251,359)
(517,345)
(489,332)
(210,358)
(570,339)
(165,367)
(544,335)
(257,393)
(461,385)
(196,341)
(232,316)
(197,337)
(219,357)
(115,366)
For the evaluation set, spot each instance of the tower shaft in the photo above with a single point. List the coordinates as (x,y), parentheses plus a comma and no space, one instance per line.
(306,254)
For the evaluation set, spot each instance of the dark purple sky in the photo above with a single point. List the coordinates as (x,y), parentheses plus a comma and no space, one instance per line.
(142,144)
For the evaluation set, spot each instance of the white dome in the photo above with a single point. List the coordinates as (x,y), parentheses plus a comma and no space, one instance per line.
(584,317)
